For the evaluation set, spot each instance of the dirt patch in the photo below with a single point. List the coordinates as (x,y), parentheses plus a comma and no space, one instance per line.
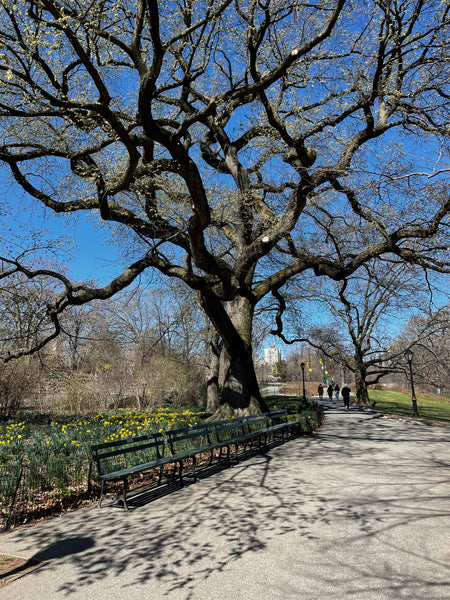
(14,567)
(43,505)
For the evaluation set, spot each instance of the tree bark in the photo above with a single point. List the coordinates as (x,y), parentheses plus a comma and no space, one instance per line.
(362,394)
(240,393)
(212,378)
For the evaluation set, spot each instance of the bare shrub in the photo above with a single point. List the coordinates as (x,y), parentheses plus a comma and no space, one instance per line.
(17,382)
(168,381)
(82,395)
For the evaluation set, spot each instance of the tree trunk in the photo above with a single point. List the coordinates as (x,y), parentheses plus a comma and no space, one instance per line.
(362,395)
(212,378)
(240,393)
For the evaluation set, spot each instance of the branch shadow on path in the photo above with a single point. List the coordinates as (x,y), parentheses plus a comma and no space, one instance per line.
(358,498)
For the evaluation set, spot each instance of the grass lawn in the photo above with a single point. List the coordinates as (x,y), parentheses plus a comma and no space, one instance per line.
(399,403)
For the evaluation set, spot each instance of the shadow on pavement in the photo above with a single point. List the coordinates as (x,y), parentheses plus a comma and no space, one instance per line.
(364,487)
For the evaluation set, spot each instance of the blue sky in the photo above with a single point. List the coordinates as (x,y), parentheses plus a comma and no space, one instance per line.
(79,244)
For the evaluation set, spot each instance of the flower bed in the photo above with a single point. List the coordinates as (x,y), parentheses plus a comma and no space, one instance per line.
(44,468)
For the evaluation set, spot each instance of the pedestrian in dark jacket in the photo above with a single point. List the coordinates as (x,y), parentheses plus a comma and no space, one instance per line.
(346,396)
(330,392)
(336,392)
(320,391)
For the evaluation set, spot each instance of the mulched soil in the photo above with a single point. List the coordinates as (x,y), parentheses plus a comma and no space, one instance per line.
(44,505)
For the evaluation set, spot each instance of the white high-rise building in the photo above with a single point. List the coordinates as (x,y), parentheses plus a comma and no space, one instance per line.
(272,355)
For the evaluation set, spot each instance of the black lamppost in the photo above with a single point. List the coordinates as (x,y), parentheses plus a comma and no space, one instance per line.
(303,379)
(409,357)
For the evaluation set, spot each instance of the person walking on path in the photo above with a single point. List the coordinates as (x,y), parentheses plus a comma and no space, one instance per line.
(346,396)
(330,392)
(320,391)
(336,392)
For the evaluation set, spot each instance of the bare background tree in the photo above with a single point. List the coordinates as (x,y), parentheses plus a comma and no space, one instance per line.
(138,349)
(429,339)
(356,320)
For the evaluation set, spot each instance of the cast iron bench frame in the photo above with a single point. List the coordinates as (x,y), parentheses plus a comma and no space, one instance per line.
(170,447)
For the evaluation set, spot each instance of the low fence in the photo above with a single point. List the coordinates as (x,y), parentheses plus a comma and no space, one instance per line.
(35,484)
(28,493)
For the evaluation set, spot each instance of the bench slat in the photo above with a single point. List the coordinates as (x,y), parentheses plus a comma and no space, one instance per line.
(177,445)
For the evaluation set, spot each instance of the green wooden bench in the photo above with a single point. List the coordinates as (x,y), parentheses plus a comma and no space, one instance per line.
(225,434)
(120,459)
(282,424)
(188,443)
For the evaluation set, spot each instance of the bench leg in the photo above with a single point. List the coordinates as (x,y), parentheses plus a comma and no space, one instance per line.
(220,455)
(102,487)
(262,441)
(161,469)
(174,472)
(180,463)
(236,452)
(228,455)
(124,494)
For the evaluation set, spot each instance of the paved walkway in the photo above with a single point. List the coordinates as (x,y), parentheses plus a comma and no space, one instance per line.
(360,511)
